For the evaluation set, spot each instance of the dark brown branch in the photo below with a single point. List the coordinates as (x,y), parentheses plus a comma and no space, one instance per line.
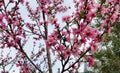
(21,49)
(47,49)
(77,60)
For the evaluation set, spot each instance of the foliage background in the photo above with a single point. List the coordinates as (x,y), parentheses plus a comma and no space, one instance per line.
(108,57)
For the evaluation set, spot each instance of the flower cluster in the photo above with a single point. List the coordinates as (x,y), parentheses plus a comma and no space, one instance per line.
(67,37)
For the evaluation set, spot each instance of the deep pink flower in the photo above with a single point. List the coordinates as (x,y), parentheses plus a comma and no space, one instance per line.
(68,36)
(1,3)
(90,60)
(89,32)
(51,41)
(113,18)
(60,47)
(83,40)
(11,1)
(66,18)
(82,26)
(75,50)
(74,67)
(90,15)
(3,25)
(1,17)
(75,31)
(22,1)
(67,53)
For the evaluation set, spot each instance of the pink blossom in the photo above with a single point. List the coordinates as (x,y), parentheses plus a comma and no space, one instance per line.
(22,1)
(67,53)
(104,11)
(12,1)
(102,39)
(97,5)
(1,3)
(83,40)
(3,25)
(66,18)
(54,21)
(19,64)
(94,47)
(90,15)
(52,39)
(109,30)
(64,33)
(60,47)
(82,26)
(89,32)
(113,18)
(103,26)
(75,50)
(57,25)
(68,38)
(51,42)
(76,31)
(105,22)
(1,17)
(90,60)
(44,2)
(74,67)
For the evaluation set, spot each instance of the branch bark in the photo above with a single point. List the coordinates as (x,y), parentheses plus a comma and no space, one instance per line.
(47,49)
(76,61)
(21,49)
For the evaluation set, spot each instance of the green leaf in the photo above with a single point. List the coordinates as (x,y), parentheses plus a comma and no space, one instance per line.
(82,13)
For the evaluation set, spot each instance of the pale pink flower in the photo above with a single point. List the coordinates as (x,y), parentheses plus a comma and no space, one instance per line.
(94,47)
(66,18)
(103,26)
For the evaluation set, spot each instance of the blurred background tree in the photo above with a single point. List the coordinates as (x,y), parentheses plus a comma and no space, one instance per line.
(108,57)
